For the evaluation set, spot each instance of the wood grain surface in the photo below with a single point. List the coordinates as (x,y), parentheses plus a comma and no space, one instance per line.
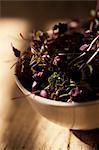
(20,126)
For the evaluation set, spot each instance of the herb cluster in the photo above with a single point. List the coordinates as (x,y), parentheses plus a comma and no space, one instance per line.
(62,65)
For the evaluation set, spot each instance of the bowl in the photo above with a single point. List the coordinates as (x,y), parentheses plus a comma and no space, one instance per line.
(78,116)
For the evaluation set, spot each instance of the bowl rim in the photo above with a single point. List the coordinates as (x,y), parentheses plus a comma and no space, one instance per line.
(47,101)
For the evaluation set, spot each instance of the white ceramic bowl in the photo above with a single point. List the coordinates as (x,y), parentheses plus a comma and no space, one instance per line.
(82,116)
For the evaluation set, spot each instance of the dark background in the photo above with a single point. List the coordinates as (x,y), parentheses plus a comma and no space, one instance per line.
(42,14)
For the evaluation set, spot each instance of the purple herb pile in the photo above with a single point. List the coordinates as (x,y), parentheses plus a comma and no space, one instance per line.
(62,65)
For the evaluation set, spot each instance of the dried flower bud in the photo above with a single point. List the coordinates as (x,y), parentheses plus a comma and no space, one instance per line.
(33,86)
(56,60)
(84,47)
(43,93)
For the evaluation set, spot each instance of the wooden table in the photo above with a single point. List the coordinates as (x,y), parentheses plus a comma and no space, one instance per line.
(20,126)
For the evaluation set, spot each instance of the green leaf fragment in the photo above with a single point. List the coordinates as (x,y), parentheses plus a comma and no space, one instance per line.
(90,68)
